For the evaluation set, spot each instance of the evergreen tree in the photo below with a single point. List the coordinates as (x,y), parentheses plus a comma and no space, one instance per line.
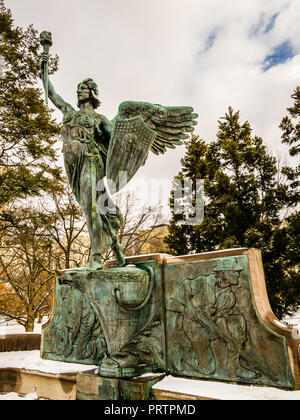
(290,126)
(27,132)
(243,203)
(27,169)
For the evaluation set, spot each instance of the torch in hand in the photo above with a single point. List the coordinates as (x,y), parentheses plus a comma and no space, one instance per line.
(46,42)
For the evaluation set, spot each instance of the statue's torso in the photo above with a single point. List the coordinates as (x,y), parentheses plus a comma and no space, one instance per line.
(82,136)
(82,127)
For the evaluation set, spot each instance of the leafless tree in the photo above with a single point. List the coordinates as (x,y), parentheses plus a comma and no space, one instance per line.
(65,228)
(142,225)
(24,252)
(51,235)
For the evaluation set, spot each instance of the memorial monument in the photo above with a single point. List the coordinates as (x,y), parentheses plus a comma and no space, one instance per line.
(201,316)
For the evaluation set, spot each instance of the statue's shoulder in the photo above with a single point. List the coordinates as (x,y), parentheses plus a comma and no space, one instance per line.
(69,113)
(102,120)
(98,117)
(101,117)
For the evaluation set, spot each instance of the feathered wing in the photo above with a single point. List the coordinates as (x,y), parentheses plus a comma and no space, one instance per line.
(171,123)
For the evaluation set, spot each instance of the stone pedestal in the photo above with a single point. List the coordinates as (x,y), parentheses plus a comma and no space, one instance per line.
(90,386)
(220,325)
(203,316)
(113,318)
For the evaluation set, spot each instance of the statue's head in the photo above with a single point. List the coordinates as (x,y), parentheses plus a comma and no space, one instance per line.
(89,88)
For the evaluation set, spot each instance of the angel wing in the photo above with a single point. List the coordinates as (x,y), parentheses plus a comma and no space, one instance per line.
(171,123)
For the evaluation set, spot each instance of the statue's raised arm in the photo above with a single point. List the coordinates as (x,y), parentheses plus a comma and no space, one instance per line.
(57,100)
(86,136)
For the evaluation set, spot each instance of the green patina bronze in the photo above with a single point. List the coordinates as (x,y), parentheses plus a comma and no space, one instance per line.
(214,330)
(94,147)
(98,317)
(112,318)
(46,42)
(191,319)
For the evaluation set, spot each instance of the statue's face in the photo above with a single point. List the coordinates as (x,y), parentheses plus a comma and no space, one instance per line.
(83,93)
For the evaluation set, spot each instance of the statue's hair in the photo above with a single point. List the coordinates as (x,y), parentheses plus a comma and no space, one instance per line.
(94,92)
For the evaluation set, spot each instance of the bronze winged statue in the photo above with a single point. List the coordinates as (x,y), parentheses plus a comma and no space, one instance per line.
(94,147)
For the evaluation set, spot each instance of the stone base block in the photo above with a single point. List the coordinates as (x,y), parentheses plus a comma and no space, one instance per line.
(90,386)
(174,388)
(48,386)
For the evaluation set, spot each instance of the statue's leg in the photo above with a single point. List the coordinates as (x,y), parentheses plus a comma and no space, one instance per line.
(113,224)
(115,244)
(118,252)
(95,229)
(112,221)
(98,238)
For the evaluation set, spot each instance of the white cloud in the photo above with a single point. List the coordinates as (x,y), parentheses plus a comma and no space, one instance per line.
(155,51)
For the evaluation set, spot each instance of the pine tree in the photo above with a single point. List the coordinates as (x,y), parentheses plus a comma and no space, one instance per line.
(27,169)
(27,131)
(243,202)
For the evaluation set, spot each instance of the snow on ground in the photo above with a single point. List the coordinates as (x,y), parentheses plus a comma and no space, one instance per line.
(293,320)
(15,396)
(31,360)
(224,391)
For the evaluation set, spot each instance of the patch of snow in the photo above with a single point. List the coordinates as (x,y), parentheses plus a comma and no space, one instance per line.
(31,360)
(224,391)
(280,324)
(148,375)
(293,319)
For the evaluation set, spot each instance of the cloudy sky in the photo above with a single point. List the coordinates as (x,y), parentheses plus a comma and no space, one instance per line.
(209,54)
